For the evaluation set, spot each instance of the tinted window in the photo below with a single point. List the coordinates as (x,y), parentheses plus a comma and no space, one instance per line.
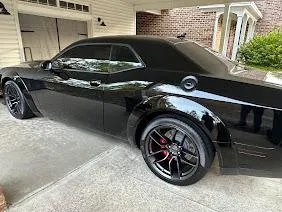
(123,58)
(91,58)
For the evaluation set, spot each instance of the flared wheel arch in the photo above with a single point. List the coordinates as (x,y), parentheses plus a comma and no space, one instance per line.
(146,119)
(134,134)
(13,76)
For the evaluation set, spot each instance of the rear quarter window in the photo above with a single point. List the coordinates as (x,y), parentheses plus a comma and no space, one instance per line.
(123,58)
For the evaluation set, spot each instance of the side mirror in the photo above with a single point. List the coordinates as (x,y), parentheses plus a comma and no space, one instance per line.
(46,65)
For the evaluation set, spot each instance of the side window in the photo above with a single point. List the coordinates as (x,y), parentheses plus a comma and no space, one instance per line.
(123,58)
(90,58)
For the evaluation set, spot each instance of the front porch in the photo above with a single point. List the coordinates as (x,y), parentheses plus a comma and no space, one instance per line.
(224,27)
(234,25)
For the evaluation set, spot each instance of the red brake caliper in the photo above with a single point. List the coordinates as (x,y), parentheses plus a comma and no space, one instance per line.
(165,152)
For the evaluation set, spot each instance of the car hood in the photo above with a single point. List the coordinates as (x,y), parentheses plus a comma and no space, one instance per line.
(32,64)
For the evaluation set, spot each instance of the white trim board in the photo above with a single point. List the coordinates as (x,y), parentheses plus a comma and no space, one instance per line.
(53,12)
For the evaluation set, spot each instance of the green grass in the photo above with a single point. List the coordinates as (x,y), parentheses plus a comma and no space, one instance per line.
(262,68)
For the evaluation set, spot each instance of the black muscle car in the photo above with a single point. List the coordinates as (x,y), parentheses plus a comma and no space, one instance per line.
(172,98)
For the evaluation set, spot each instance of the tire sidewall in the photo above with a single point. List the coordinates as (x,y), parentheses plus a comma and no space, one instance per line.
(199,139)
(18,115)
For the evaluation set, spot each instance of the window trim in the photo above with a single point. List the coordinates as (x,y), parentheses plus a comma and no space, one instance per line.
(102,44)
(135,54)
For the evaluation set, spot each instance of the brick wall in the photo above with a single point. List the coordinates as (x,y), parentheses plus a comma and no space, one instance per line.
(272,15)
(197,24)
(218,33)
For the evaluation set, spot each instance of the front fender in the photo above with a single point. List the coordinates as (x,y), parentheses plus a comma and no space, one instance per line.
(13,75)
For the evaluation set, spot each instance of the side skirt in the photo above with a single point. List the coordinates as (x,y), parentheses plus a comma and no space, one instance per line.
(250,172)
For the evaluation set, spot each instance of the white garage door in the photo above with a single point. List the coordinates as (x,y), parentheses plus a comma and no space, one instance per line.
(71,31)
(44,37)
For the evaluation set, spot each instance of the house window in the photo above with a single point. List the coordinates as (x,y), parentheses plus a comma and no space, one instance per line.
(85,8)
(52,3)
(78,7)
(43,2)
(62,4)
(72,6)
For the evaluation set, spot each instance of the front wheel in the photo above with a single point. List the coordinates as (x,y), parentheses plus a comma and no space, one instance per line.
(15,101)
(176,151)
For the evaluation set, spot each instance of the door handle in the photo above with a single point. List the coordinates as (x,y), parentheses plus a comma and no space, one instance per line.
(95,83)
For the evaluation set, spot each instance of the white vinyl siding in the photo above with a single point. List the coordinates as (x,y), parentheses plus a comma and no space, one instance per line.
(119,16)
(9,45)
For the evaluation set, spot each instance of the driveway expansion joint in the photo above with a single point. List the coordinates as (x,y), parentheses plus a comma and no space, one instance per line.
(68,175)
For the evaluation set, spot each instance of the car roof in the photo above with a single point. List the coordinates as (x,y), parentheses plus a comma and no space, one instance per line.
(164,53)
(129,39)
(156,52)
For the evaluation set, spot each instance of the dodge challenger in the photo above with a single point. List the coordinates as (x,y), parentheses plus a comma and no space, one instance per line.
(173,99)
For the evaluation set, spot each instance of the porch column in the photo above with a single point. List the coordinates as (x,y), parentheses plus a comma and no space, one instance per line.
(237,36)
(254,29)
(225,30)
(243,31)
(215,29)
(250,30)
(224,51)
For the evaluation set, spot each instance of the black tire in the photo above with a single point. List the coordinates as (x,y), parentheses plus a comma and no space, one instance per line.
(194,144)
(15,101)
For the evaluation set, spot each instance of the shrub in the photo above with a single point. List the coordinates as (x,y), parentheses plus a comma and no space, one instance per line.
(263,50)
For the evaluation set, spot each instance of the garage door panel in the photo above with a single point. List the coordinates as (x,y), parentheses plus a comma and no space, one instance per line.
(71,31)
(27,21)
(41,41)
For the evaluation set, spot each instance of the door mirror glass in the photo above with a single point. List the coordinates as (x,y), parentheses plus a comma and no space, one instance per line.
(46,65)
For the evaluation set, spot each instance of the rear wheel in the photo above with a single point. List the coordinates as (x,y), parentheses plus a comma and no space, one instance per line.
(176,151)
(15,101)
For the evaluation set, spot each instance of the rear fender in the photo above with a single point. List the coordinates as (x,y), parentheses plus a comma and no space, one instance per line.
(212,126)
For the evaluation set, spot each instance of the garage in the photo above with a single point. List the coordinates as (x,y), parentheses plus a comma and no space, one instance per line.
(38,29)
(44,37)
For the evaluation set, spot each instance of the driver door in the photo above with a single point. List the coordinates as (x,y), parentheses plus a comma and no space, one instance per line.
(73,91)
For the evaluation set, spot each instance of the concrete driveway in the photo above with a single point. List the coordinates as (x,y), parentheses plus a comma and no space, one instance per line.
(48,166)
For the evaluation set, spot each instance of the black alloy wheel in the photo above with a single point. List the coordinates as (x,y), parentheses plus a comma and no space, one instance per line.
(177,152)
(15,101)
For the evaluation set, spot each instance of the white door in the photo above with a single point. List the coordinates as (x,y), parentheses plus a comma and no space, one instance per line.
(71,31)
(39,37)
(44,37)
